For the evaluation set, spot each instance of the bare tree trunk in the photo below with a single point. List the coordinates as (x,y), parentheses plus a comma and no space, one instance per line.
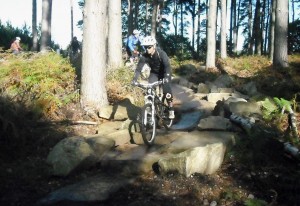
(257,28)
(94,57)
(211,35)
(234,27)
(281,30)
(237,24)
(136,14)
(272,30)
(193,26)
(232,8)
(114,34)
(266,35)
(250,35)
(34,27)
(130,17)
(154,17)
(181,27)
(46,24)
(293,10)
(175,17)
(72,23)
(198,28)
(223,29)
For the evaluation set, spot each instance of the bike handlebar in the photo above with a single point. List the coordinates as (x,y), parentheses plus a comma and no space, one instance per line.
(147,85)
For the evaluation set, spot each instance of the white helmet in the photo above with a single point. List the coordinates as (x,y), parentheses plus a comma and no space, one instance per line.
(136,31)
(148,40)
(18,38)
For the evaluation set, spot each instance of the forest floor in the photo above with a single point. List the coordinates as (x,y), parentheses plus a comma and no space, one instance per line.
(253,173)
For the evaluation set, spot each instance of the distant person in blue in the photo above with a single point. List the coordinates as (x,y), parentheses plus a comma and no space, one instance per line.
(132,45)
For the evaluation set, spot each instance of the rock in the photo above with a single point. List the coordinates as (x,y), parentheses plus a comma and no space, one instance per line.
(93,189)
(76,152)
(245,108)
(203,160)
(203,88)
(215,123)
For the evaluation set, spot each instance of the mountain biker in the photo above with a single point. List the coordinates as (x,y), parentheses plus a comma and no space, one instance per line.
(131,46)
(160,68)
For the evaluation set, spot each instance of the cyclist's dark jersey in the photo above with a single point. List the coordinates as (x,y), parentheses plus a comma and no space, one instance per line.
(159,64)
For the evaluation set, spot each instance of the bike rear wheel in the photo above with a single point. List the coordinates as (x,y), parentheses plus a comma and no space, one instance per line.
(148,124)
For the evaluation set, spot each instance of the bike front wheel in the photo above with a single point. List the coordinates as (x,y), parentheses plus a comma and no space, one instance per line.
(148,124)
(167,122)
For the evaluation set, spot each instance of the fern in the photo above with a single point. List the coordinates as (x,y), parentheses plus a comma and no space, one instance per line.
(255,202)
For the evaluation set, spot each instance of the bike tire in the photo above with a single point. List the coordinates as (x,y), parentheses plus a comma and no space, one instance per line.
(148,125)
(167,122)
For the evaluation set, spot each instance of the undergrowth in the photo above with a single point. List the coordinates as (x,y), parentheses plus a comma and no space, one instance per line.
(119,86)
(42,83)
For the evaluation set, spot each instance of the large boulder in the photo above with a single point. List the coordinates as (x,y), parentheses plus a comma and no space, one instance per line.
(77,152)
(203,160)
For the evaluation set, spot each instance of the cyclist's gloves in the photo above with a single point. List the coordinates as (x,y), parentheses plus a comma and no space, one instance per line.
(167,78)
(134,82)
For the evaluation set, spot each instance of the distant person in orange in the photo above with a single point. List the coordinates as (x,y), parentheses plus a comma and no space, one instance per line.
(15,46)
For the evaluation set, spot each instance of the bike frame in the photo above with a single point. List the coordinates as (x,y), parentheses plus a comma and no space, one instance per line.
(153,111)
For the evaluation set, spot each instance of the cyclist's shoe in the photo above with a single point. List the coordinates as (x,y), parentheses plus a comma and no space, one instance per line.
(171,114)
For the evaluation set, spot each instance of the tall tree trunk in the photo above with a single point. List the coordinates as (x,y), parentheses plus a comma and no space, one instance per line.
(272,30)
(250,33)
(193,25)
(211,35)
(175,22)
(234,27)
(130,17)
(223,29)
(266,35)
(34,27)
(46,24)
(237,24)
(281,30)
(293,10)
(175,17)
(198,27)
(136,14)
(72,23)
(154,18)
(181,27)
(257,28)
(232,8)
(114,34)
(94,57)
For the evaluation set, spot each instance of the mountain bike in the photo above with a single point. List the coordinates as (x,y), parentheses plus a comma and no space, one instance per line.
(155,112)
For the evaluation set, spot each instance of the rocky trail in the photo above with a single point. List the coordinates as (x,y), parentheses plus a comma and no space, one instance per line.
(192,151)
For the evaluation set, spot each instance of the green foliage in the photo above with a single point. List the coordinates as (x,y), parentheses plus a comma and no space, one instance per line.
(294,37)
(8,34)
(176,46)
(273,109)
(269,109)
(282,103)
(42,82)
(255,202)
(231,195)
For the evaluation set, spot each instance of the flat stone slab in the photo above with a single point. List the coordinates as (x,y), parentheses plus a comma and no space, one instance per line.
(188,121)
